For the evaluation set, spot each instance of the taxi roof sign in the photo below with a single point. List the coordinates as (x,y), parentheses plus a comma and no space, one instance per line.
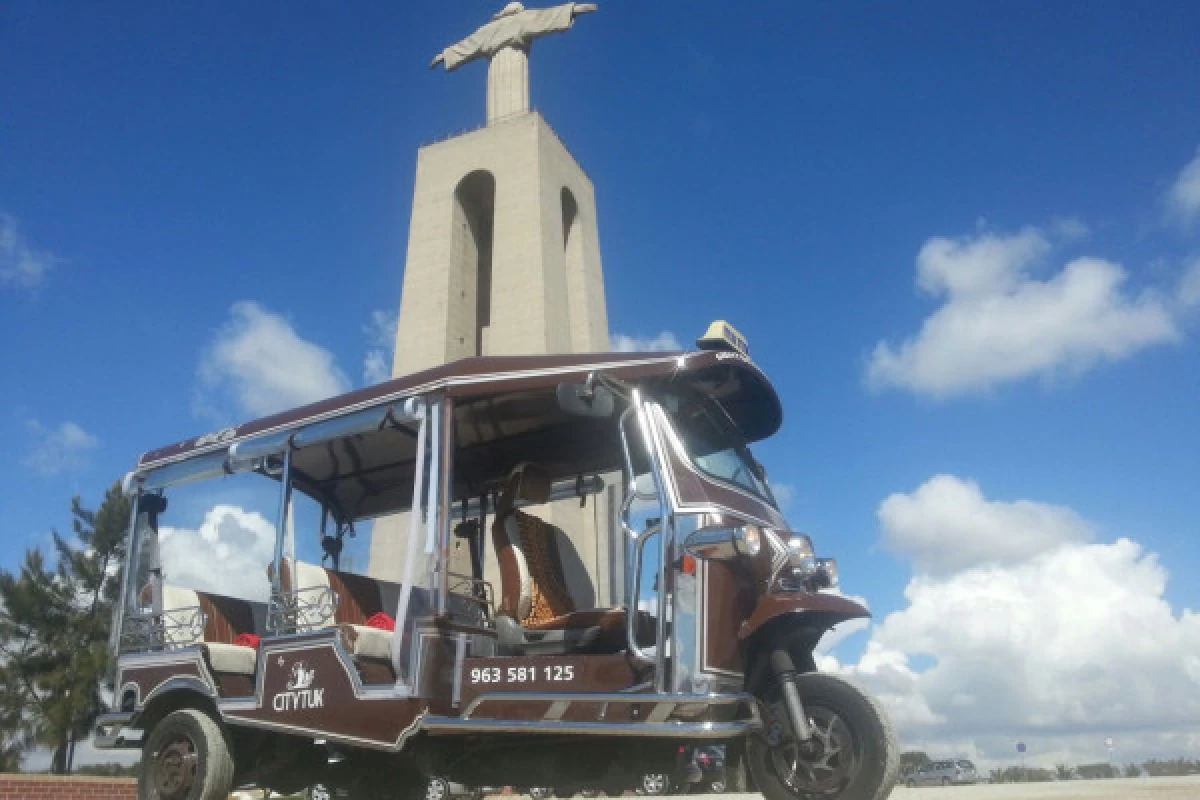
(723,336)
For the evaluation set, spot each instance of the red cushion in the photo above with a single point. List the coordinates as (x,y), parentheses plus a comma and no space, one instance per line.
(248,640)
(381,621)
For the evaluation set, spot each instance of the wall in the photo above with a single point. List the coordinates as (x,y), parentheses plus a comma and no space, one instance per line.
(74,787)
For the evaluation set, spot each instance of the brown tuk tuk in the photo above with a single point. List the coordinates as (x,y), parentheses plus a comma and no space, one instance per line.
(498,669)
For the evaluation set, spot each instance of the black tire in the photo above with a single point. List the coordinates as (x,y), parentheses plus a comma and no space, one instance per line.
(186,757)
(855,755)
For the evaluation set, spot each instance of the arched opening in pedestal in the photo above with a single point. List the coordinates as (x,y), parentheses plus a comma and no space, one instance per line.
(573,263)
(474,222)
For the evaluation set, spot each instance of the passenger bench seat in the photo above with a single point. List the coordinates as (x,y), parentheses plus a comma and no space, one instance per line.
(358,598)
(225,618)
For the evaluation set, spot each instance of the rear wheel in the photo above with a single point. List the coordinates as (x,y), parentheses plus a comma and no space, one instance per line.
(186,757)
(852,754)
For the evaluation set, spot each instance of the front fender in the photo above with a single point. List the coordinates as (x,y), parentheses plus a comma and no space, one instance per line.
(811,610)
(795,621)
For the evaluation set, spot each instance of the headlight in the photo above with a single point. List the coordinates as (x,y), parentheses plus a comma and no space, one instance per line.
(827,573)
(724,543)
(801,557)
(747,540)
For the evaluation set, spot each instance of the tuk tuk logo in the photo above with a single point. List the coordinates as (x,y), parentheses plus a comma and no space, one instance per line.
(299,693)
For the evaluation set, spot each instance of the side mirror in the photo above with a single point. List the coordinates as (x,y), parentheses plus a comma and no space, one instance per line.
(581,400)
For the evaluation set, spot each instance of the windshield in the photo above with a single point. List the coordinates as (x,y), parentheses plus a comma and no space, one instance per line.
(715,445)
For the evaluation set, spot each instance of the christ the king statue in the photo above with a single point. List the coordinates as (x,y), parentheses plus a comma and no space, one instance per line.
(505,42)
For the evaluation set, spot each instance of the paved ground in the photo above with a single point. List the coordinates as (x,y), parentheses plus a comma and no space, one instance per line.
(1132,789)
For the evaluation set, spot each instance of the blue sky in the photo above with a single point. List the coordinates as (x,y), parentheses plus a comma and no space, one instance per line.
(822,175)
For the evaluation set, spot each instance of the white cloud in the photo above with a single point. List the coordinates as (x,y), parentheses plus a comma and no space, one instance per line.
(947,525)
(261,363)
(665,341)
(1060,646)
(21,266)
(1189,286)
(58,449)
(228,554)
(1071,229)
(1183,198)
(381,339)
(999,323)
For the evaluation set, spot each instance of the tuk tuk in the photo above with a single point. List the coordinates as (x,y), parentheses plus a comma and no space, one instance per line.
(486,670)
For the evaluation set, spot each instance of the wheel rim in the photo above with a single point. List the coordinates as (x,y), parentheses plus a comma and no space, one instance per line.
(175,767)
(654,784)
(436,790)
(319,792)
(825,764)
(718,786)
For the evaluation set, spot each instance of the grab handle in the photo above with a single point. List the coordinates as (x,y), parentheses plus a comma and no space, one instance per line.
(632,609)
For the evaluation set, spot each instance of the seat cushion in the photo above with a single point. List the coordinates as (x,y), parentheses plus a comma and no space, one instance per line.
(611,622)
(231,658)
(606,618)
(363,641)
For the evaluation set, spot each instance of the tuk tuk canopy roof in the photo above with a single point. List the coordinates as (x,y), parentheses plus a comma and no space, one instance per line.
(514,381)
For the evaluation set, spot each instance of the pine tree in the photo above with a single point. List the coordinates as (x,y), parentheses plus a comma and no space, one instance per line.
(54,628)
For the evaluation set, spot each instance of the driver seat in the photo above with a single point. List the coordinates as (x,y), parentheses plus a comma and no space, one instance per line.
(537,615)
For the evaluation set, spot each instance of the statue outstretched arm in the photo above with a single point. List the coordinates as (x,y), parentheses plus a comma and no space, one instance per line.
(438,59)
(584,8)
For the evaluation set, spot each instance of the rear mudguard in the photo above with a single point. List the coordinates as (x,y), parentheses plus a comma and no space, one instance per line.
(795,621)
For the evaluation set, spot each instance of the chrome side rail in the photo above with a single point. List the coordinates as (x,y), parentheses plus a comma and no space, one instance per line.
(672,730)
(172,628)
(301,611)
(658,721)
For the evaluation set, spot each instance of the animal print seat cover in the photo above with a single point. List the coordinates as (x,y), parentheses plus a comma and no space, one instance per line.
(549,597)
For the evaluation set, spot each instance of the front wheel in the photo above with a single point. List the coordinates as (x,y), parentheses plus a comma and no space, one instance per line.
(852,754)
(186,757)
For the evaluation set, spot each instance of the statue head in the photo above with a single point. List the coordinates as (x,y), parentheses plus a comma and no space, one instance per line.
(509,10)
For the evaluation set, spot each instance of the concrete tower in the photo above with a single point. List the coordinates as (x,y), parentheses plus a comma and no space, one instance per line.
(504,259)
(503,250)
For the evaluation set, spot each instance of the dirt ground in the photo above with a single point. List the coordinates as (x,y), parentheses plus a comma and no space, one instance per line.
(1131,789)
